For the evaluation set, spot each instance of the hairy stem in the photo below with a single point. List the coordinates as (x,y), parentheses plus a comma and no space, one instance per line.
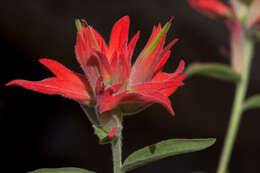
(117,151)
(237,109)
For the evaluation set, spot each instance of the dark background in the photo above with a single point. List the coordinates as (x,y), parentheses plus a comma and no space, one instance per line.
(39,131)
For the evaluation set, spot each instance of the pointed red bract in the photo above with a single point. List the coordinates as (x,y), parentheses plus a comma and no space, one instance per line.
(119,35)
(55,86)
(112,133)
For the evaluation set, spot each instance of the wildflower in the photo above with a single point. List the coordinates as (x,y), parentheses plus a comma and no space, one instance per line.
(109,82)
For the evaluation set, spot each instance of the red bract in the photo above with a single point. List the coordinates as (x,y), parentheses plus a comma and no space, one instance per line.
(211,8)
(109,80)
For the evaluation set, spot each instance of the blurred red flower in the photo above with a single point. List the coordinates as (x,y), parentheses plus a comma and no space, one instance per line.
(211,8)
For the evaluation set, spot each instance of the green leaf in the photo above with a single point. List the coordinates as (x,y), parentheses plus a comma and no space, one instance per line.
(215,70)
(164,149)
(252,102)
(61,170)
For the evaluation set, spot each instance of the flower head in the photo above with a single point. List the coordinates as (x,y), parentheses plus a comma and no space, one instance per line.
(110,82)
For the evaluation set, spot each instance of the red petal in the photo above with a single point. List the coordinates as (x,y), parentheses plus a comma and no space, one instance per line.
(162,62)
(162,58)
(104,65)
(157,85)
(88,40)
(163,83)
(180,67)
(87,57)
(114,61)
(55,86)
(161,77)
(114,88)
(119,35)
(81,49)
(123,68)
(120,66)
(131,46)
(166,76)
(108,101)
(100,41)
(99,86)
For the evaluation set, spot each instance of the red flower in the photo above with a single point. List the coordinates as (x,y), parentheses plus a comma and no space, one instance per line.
(211,8)
(109,80)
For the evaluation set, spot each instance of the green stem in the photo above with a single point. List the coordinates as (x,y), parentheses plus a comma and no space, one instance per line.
(117,151)
(237,110)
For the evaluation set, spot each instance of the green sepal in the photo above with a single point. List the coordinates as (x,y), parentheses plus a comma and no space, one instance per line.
(214,70)
(110,119)
(78,25)
(61,170)
(252,102)
(102,135)
(164,149)
(103,123)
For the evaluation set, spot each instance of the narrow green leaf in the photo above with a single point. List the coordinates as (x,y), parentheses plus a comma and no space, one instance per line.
(61,170)
(218,71)
(164,149)
(252,102)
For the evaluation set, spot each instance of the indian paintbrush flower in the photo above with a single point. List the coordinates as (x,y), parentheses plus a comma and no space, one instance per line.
(110,83)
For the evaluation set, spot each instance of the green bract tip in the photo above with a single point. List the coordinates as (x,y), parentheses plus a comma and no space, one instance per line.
(158,37)
(78,25)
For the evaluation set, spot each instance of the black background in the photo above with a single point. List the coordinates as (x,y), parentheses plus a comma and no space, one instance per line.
(38,130)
